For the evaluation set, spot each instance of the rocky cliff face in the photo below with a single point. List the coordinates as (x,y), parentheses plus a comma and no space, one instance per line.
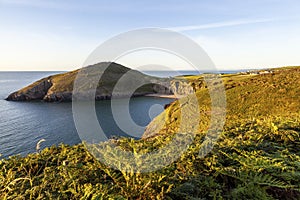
(35,91)
(181,87)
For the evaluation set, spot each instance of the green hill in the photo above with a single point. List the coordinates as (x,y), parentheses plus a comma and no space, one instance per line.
(60,87)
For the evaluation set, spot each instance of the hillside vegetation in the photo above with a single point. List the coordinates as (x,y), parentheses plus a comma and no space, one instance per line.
(256,157)
(59,87)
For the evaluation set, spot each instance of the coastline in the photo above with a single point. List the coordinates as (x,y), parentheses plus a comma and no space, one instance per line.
(168,96)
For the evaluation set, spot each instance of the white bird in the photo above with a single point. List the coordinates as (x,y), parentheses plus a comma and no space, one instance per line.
(38,145)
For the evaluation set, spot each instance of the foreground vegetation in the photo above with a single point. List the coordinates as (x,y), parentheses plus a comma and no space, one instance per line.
(256,157)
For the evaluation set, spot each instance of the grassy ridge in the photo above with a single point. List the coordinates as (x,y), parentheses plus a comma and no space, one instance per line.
(247,97)
(256,157)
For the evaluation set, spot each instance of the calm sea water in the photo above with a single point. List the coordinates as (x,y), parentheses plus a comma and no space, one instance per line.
(23,124)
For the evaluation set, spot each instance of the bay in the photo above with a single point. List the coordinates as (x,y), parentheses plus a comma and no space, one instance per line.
(23,124)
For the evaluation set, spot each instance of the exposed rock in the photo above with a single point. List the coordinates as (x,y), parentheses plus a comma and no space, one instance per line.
(35,91)
(181,87)
(62,96)
(163,88)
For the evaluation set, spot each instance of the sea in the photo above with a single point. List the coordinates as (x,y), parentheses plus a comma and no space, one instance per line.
(23,124)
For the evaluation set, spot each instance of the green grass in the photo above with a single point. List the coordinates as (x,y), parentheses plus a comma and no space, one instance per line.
(256,157)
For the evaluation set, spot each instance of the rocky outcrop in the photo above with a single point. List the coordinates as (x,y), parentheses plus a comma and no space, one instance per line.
(181,87)
(163,88)
(35,91)
(58,97)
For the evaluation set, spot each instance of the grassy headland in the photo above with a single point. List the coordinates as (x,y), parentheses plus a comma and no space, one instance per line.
(59,87)
(256,157)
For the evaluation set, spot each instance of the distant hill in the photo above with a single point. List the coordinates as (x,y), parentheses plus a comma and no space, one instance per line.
(59,87)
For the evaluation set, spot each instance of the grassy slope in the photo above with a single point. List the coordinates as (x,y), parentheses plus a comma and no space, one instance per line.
(256,157)
(247,97)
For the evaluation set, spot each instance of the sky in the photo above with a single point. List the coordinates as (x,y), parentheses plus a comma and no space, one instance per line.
(59,35)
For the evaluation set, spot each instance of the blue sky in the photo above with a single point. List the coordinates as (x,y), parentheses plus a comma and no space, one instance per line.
(60,34)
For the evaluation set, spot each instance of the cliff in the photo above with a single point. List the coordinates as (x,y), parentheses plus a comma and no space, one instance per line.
(37,90)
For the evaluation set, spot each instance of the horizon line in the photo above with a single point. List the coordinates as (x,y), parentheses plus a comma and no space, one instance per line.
(221,69)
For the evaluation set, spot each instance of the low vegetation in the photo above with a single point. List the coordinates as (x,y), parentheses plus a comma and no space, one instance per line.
(256,157)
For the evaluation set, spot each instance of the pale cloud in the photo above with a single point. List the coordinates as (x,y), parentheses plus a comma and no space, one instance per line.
(220,24)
